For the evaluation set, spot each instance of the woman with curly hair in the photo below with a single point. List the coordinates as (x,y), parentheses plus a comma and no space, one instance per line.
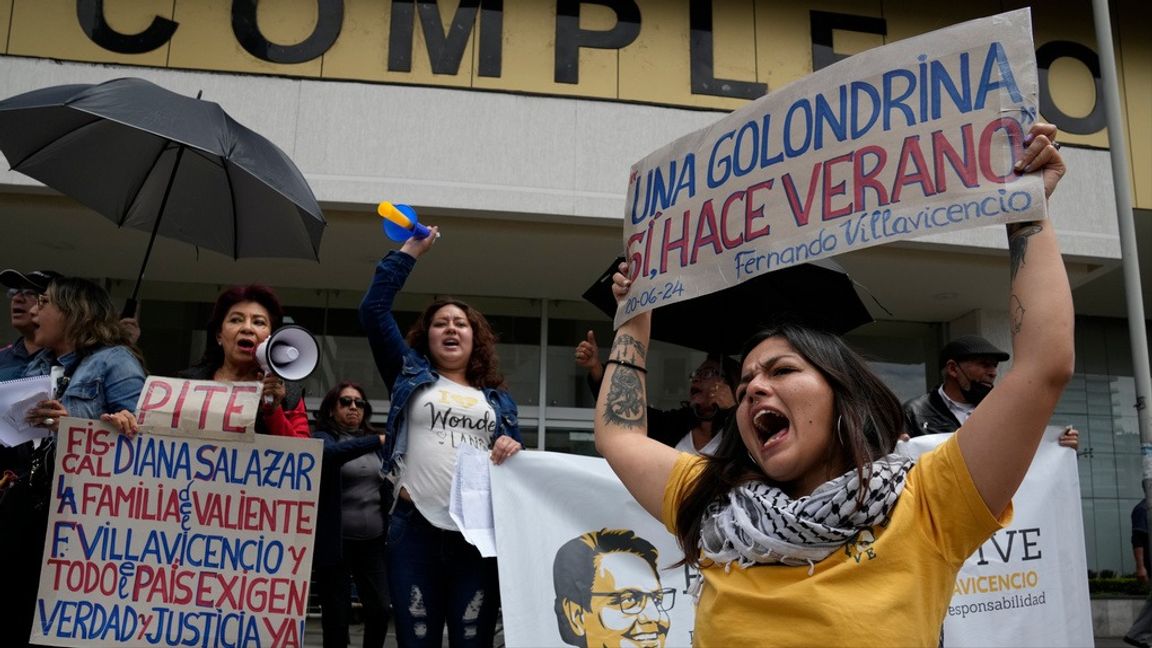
(447,390)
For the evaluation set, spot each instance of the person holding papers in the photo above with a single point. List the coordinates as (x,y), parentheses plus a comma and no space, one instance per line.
(351,520)
(446,390)
(98,375)
(807,527)
(101,371)
(242,318)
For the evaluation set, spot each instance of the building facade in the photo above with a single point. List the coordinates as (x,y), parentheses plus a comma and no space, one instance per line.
(512,125)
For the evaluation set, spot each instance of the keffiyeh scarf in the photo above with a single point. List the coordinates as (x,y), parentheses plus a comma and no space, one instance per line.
(759,524)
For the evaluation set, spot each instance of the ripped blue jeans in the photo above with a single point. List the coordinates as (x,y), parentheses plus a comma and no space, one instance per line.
(437,578)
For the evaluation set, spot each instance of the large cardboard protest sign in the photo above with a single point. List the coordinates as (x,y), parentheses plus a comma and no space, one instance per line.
(159,540)
(550,511)
(202,408)
(1027,586)
(908,139)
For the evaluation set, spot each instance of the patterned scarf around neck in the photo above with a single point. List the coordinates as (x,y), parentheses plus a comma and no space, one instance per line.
(759,524)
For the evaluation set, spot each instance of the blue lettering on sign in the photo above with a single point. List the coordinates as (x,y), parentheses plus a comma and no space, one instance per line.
(900,98)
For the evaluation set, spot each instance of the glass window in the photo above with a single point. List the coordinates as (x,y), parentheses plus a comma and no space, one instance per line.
(903,354)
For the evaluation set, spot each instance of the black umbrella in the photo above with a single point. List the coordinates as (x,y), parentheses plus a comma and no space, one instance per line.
(153,160)
(818,294)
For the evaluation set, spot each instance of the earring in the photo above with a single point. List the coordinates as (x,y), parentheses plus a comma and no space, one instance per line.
(840,432)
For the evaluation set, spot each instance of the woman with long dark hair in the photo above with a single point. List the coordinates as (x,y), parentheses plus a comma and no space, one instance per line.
(242,318)
(351,521)
(806,526)
(447,390)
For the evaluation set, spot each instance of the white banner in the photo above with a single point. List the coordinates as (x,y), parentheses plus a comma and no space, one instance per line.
(908,139)
(544,503)
(1027,586)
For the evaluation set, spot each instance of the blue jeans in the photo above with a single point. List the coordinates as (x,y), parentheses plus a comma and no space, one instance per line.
(437,577)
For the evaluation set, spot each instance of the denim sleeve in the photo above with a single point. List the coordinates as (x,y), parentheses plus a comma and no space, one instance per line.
(384,336)
(345,450)
(509,405)
(123,380)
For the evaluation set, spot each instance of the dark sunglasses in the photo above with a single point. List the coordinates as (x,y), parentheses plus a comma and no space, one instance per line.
(348,401)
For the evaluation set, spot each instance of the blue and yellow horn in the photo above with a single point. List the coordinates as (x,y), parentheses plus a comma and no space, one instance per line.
(400,222)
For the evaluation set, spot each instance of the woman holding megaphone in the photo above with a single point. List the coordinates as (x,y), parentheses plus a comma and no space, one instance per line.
(242,318)
(446,391)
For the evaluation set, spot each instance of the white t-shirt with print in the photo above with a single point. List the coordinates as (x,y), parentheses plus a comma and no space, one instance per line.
(442,416)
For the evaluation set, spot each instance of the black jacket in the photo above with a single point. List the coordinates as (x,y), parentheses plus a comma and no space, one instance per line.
(929,414)
(329,518)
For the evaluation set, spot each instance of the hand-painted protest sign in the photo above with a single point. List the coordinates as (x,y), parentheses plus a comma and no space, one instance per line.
(554,514)
(1028,584)
(164,541)
(1025,587)
(202,408)
(908,139)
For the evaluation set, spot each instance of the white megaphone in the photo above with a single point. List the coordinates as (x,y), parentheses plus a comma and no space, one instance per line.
(290,352)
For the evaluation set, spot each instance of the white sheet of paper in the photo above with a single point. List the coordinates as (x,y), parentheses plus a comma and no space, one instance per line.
(470,503)
(16,398)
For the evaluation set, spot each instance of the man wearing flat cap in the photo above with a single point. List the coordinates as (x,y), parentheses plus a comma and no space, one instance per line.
(968,365)
(23,289)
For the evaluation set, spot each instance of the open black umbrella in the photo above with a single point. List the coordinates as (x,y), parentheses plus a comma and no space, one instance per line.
(818,294)
(158,161)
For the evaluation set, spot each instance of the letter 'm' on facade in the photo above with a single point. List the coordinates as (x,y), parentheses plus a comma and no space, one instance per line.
(446,44)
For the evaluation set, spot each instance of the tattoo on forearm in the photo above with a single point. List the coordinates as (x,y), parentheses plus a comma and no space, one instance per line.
(625,404)
(1018,235)
(1015,313)
(628,349)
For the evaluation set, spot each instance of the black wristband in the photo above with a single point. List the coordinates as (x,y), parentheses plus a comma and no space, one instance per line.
(624,363)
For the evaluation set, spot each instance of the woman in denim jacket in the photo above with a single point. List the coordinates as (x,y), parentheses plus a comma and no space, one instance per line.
(77,323)
(100,377)
(446,390)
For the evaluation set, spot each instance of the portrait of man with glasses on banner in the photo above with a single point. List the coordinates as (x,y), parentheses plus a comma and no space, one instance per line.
(608,591)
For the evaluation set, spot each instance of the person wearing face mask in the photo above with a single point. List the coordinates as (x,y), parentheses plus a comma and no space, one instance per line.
(447,390)
(697,425)
(969,367)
